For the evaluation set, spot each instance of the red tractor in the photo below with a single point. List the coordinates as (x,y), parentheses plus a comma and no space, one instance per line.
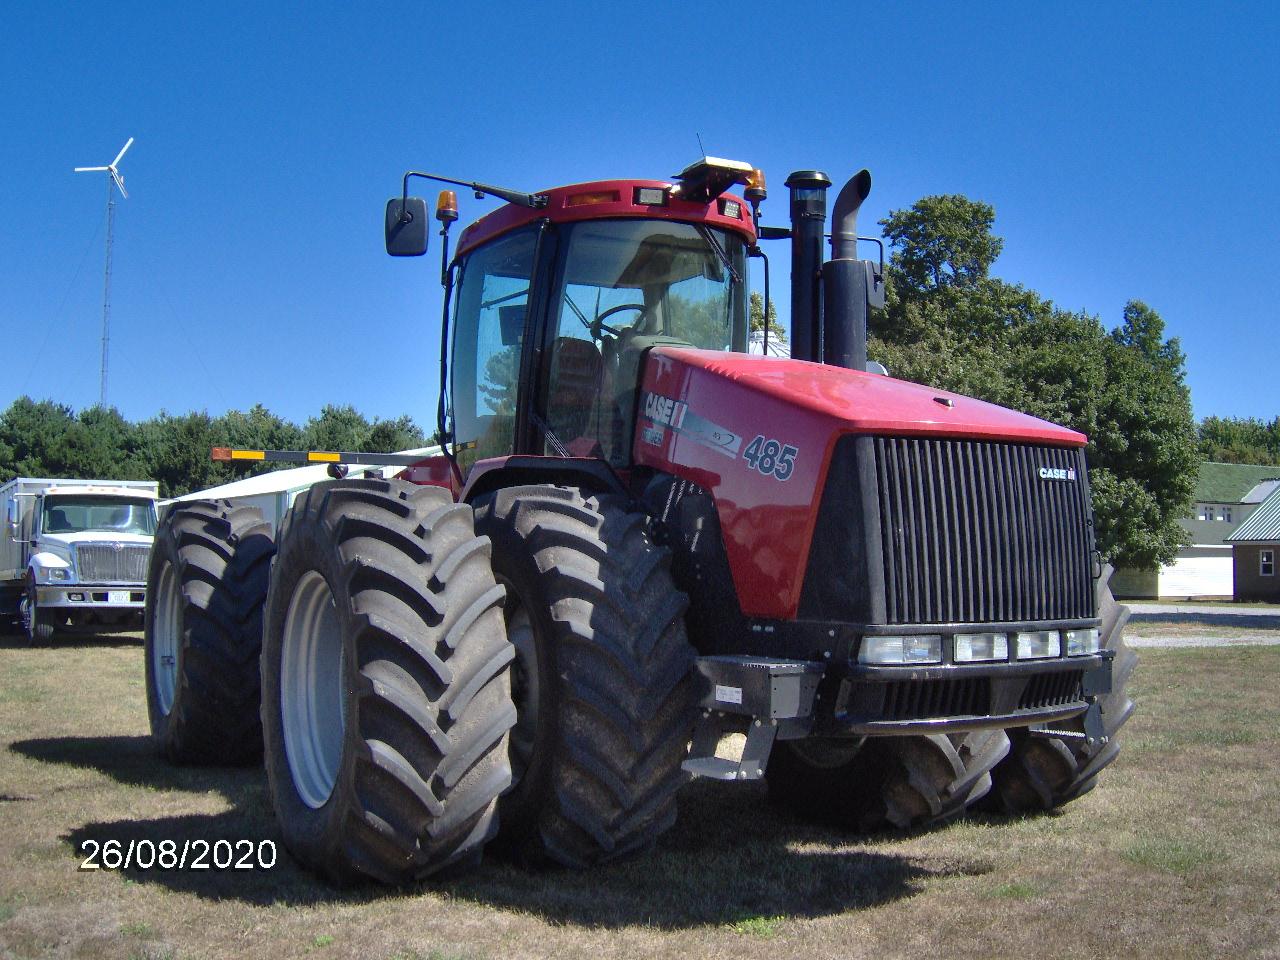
(638,537)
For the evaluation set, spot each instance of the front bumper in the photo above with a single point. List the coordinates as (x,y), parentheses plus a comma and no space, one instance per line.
(90,596)
(945,698)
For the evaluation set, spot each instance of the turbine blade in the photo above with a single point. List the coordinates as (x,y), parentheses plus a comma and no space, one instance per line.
(120,183)
(89,169)
(122,150)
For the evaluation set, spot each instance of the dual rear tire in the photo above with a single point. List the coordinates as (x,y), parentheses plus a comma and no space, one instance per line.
(386,689)
(209,569)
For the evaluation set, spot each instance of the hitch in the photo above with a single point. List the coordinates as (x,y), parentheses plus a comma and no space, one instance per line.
(773,698)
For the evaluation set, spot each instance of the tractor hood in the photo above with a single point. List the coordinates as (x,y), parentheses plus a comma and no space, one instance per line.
(855,402)
(757,434)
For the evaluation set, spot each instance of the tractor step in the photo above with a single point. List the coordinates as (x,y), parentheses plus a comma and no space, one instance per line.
(768,698)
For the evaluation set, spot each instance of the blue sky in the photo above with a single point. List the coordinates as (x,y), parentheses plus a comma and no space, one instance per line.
(1130,151)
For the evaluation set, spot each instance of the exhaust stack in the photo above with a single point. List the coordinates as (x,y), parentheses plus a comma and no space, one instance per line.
(848,284)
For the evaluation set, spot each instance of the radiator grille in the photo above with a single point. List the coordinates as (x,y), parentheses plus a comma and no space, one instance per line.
(923,699)
(1051,690)
(104,563)
(971,532)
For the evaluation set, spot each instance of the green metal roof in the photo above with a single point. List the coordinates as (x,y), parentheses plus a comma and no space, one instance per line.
(1229,482)
(1261,526)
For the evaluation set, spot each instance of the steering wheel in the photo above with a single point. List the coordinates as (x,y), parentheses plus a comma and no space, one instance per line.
(598,324)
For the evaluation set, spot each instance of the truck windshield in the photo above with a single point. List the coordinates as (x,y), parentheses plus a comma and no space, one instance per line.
(98,514)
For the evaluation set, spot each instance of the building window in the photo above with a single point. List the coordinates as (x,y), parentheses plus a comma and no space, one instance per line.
(1226,514)
(1266,563)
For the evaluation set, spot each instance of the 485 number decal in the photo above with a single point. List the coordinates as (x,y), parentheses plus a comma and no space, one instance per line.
(771,457)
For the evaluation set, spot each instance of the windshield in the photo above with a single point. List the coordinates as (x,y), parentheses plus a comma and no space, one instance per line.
(98,514)
(628,285)
(655,277)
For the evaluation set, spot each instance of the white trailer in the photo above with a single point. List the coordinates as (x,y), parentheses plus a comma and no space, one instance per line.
(74,553)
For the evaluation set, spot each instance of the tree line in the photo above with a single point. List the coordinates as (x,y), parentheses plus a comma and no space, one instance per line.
(47,439)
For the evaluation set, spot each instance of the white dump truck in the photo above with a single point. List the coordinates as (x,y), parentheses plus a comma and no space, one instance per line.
(73,554)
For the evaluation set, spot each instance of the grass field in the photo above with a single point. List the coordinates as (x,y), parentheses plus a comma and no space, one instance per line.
(1176,854)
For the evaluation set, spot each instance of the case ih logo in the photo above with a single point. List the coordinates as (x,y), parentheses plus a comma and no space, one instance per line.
(662,409)
(1057,473)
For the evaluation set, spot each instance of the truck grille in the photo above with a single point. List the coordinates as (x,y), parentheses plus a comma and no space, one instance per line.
(104,563)
(972,533)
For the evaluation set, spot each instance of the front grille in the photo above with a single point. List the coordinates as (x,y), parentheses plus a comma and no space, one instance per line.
(924,699)
(112,563)
(1051,690)
(971,533)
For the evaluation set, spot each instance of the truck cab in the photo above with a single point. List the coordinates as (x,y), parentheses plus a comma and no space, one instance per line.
(77,553)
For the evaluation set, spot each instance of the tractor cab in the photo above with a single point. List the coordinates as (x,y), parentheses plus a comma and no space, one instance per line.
(554,305)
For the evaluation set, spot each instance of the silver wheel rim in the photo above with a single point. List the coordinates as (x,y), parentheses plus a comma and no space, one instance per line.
(311,690)
(166,638)
(525,686)
(29,615)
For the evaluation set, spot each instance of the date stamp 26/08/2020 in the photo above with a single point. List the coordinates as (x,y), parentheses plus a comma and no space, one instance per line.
(178,855)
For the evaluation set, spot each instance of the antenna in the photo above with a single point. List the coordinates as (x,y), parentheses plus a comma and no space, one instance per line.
(113,169)
(701,148)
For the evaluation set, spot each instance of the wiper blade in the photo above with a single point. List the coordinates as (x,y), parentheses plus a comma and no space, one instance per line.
(714,243)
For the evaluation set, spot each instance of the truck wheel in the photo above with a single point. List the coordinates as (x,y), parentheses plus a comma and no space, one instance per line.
(903,782)
(1041,773)
(206,582)
(386,683)
(604,684)
(36,623)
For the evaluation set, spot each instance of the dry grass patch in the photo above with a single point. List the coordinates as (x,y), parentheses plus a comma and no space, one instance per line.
(1175,855)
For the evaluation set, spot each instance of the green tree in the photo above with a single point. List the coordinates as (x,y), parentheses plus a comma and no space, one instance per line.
(756,309)
(33,438)
(1232,440)
(336,428)
(943,241)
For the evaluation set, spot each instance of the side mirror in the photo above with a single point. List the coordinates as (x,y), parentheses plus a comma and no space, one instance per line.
(406,227)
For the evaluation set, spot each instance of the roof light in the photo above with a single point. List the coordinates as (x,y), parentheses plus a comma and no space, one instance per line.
(756,190)
(650,196)
(447,206)
(705,180)
(592,197)
(731,209)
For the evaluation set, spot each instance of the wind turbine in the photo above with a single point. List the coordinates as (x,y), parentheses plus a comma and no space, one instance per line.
(113,169)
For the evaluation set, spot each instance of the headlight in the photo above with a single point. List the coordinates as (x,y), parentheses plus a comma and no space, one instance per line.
(1039,644)
(925,648)
(1083,642)
(974,647)
(50,574)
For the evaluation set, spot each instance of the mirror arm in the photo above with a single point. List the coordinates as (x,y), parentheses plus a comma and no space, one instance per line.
(534,200)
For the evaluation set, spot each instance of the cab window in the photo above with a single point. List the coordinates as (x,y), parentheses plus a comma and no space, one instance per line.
(491,298)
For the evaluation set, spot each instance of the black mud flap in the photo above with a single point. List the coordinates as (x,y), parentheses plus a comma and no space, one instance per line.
(772,698)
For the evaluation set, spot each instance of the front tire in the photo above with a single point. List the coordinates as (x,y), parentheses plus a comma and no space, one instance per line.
(206,583)
(606,695)
(1041,772)
(386,689)
(902,783)
(37,624)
